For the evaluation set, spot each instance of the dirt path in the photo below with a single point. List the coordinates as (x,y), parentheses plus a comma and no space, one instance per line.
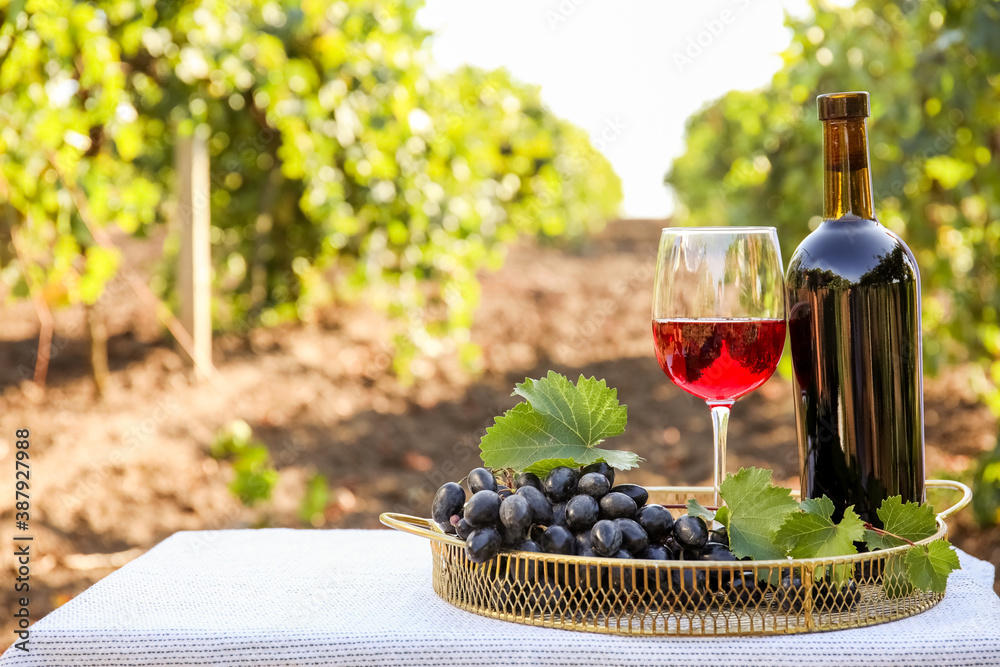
(110,479)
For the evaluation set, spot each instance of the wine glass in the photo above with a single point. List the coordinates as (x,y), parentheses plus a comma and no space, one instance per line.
(719,316)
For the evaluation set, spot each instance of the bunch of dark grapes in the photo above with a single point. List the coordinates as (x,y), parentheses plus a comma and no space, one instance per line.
(572,512)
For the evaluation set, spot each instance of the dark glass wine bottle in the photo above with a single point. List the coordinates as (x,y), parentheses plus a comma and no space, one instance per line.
(854,324)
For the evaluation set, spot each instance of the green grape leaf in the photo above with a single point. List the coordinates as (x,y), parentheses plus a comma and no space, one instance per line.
(545,466)
(757,509)
(929,566)
(590,410)
(812,533)
(896,579)
(722,516)
(560,424)
(908,520)
(695,508)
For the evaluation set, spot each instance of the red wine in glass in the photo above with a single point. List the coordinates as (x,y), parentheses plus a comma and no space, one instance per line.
(718,316)
(718,360)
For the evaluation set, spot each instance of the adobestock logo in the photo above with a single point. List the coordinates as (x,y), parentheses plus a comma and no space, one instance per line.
(610,132)
(562,12)
(712,30)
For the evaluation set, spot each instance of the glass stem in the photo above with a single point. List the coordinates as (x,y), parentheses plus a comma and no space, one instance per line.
(720,424)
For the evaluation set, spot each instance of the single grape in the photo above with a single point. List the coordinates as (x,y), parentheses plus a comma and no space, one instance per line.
(654,552)
(528,479)
(593,484)
(588,575)
(447,502)
(504,492)
(584,541)
(462,529)
(622,576)
(481,479)
(837,598)
(483,509)
(511,536)
(526,569)
(634,538)
(502,592)
(617,506)
(558,515)
(688,587)
(790,593)
(558,540)
(717,552)
(530,546)
(516,514)
(581,512)
(744,589)
(633,491)
(601,468)
(691,532)
(541,509)
(449,528)
(560,484)
(606,537)
(720,536)
(483,544)
(656,520)
(847,596)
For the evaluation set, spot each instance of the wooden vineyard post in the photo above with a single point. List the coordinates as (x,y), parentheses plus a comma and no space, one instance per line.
(194,262)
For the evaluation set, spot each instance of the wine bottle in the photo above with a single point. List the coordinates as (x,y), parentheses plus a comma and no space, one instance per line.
(854,324)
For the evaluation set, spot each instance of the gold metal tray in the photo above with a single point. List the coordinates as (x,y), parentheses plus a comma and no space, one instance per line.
(646,597)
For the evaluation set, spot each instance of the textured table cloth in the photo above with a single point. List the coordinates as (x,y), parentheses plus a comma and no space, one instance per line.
(351,597)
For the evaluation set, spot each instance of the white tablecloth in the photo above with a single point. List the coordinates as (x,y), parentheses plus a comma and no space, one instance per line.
(350,597)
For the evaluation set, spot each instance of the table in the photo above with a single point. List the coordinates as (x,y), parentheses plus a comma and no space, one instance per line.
(357,597)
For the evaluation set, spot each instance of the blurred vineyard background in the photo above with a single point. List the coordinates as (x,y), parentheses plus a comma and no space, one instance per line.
(393,250)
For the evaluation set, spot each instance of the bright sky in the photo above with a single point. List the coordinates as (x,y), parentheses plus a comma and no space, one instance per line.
(629,73)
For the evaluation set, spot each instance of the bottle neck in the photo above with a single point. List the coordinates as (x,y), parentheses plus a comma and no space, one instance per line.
(847,183)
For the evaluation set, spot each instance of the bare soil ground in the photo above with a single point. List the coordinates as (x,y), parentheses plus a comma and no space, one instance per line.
(110,478)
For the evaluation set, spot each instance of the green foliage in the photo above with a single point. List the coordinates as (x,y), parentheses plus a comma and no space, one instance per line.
(65,111)
(561,424)
(986,488)
(694,508)
(232,439)
(765,523)
(340,167)
(929,566)
(722,516)
(314,501)
(757,509)
(812,533)
(753,158)
(254,474)
(906,521)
